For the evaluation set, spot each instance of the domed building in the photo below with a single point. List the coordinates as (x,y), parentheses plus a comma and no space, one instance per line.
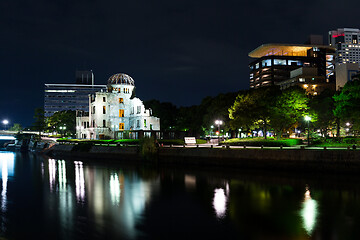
(116,113)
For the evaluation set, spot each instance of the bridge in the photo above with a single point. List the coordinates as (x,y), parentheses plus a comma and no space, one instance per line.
(12,133)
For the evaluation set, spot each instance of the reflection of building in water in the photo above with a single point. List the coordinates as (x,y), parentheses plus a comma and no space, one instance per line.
(121,196)
(62,201)
(7,160)
(309,212)
(79,181)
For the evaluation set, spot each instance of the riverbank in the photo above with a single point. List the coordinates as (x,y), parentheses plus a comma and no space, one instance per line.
(315,160)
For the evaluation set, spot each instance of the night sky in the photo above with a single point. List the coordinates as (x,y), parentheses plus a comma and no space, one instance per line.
(176,51)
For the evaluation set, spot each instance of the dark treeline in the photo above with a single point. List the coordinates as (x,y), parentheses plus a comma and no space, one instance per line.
(267,109)
(196,119)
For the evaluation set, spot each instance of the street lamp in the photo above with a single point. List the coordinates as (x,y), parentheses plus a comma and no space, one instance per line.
(218,123)
(5,122)
(308,119)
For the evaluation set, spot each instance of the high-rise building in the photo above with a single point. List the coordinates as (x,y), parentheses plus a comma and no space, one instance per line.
(347,55)
(60,97)
(274,64)
(346,42)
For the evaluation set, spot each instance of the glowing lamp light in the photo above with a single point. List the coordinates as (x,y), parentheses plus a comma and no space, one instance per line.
(347,124)
(217,132)
(307,118)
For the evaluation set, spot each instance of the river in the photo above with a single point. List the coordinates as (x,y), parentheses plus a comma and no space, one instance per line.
(44,198)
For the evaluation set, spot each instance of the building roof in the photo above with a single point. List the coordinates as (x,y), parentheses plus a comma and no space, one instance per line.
(121,78)
(280,49)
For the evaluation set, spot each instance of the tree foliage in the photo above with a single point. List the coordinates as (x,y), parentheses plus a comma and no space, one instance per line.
(66,119)
(347,107)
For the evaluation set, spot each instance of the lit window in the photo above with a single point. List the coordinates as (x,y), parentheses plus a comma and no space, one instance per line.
(121,112)
(121,126)
(144,123)
(138,109)
(104,110)
(121,100)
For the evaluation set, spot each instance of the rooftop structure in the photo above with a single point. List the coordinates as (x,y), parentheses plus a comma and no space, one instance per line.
(274,62)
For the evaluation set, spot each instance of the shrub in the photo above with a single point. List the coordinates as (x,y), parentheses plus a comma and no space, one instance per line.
(148,148)
(271,142)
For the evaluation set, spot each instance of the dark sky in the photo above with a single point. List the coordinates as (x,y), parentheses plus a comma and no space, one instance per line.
(176,51)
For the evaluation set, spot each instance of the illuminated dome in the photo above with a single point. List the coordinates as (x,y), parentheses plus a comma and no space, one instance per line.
(121,78)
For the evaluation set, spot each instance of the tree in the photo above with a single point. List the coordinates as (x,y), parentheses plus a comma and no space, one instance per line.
(217,108)
(347,106)
(16,127)
(323,106)
(66,118)
(289,109)
(253,108)
(39,116)
(166,111)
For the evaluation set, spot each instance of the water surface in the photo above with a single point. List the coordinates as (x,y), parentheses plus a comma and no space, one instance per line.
(44,198)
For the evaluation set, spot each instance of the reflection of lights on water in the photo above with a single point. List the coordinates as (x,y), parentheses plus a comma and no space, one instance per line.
(62,174)
(79,181)
(7,160)
(115,189)
(219,202)
(4,177)
(190,181)
(309,212)
(52,173)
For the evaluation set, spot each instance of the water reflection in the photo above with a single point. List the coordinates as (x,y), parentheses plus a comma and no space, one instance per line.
(52,173)
(79,181)
(309,212)
(115,189)
(7,160)
(220,200)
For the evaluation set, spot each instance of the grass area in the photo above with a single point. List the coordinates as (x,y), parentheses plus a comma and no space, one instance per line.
(336,142)
(269,142)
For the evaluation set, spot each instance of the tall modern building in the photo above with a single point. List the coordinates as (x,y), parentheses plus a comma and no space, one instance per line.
(60,97)
(347,55)
(346,42)
(275,64)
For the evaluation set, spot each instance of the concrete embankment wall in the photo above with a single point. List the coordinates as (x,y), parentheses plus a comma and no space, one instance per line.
(294,159)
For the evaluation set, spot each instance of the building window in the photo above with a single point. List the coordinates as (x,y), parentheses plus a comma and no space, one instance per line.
(121,100)
(279,62)
(144,123)
(121,112)
(266,63)
(121,126)
(151,127)
(93,110)
(138,109)
(104,109)
(104,99)
(93,123)
(104,123)
(137,123)
(132,110)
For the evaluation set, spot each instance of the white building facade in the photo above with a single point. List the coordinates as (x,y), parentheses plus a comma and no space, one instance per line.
(116,113)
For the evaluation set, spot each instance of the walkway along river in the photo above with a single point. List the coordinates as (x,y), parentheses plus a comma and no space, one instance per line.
(318,160)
